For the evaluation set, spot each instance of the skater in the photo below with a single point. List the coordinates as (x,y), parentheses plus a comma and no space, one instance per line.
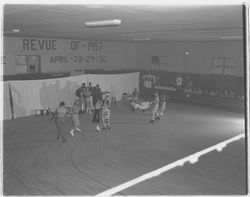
(80,94)
(106,112)
(75,116)
(97,97)
(91,89)
(155,107)
(163,105)
(96,115)
(60,114)
(87,99)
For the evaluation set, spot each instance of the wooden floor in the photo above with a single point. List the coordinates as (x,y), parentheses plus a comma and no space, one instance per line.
(35,163)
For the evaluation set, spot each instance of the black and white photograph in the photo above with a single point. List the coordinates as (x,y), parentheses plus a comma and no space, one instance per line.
(109,99)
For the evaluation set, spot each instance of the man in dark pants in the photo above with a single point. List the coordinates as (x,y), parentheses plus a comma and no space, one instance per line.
(97,97)
(61,113)
(80,94)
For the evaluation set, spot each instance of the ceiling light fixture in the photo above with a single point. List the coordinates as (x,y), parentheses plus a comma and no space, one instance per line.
(141,39)
(93,6)
(15,30)
(101,23)
(231,37)
(12,31)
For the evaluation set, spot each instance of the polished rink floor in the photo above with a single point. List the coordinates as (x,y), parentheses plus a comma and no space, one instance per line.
(35,163)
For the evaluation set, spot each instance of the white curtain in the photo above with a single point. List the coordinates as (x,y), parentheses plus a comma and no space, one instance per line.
(116,84)
(41,94)
(6,101)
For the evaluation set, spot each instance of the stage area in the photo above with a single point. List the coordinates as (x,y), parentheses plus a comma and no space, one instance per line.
(36,163)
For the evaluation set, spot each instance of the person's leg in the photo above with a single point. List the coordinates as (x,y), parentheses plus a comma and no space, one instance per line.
(59,125)
(76,123)
(88,109)
(164,108)
(91,103)
(73,121)
(98,119)
(83,104)
(104,124)
(104,115)
(157,116)
(57,129)
(95,116)
(108,120)
(155,108)
(154,112)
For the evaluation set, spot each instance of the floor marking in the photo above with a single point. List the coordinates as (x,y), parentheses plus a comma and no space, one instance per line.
(193,158)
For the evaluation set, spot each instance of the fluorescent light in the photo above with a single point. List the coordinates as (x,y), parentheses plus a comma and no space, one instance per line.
(113,22)
(93,6)
(13,31)
(231,37)
(141,39)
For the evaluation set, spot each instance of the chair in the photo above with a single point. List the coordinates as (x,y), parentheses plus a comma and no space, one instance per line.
(41,112)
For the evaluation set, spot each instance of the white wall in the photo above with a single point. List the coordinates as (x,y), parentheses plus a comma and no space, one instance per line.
(199,59)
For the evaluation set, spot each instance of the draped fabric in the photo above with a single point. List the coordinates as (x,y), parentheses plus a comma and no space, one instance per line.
(116,84)
(41,94)
(6,102)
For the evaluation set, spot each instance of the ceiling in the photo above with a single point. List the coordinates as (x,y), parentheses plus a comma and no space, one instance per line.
(143,22)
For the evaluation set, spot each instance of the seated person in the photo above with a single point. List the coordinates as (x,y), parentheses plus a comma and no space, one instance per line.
(142,105)
(178,82)
(231,94)
(212,93)
(199,92)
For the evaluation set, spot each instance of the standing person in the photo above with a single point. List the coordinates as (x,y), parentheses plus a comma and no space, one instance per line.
(106,112)
(97,98)
(96,115)
(75,116)
(98,89)
(179,83)
(91,89)
(80,94)
(61,113)
(189,89)
(87,95)
(155,107)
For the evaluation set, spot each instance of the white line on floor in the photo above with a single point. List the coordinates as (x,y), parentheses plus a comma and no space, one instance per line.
(191,158)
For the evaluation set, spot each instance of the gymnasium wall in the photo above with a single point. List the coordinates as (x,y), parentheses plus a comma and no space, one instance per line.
(58,55)
(199,59)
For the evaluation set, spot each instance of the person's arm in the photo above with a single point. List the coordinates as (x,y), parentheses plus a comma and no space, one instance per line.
(68,111)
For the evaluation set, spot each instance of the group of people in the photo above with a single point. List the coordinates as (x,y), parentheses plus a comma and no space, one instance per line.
(91,99)
(86,95)
(158,105)
(88,99)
